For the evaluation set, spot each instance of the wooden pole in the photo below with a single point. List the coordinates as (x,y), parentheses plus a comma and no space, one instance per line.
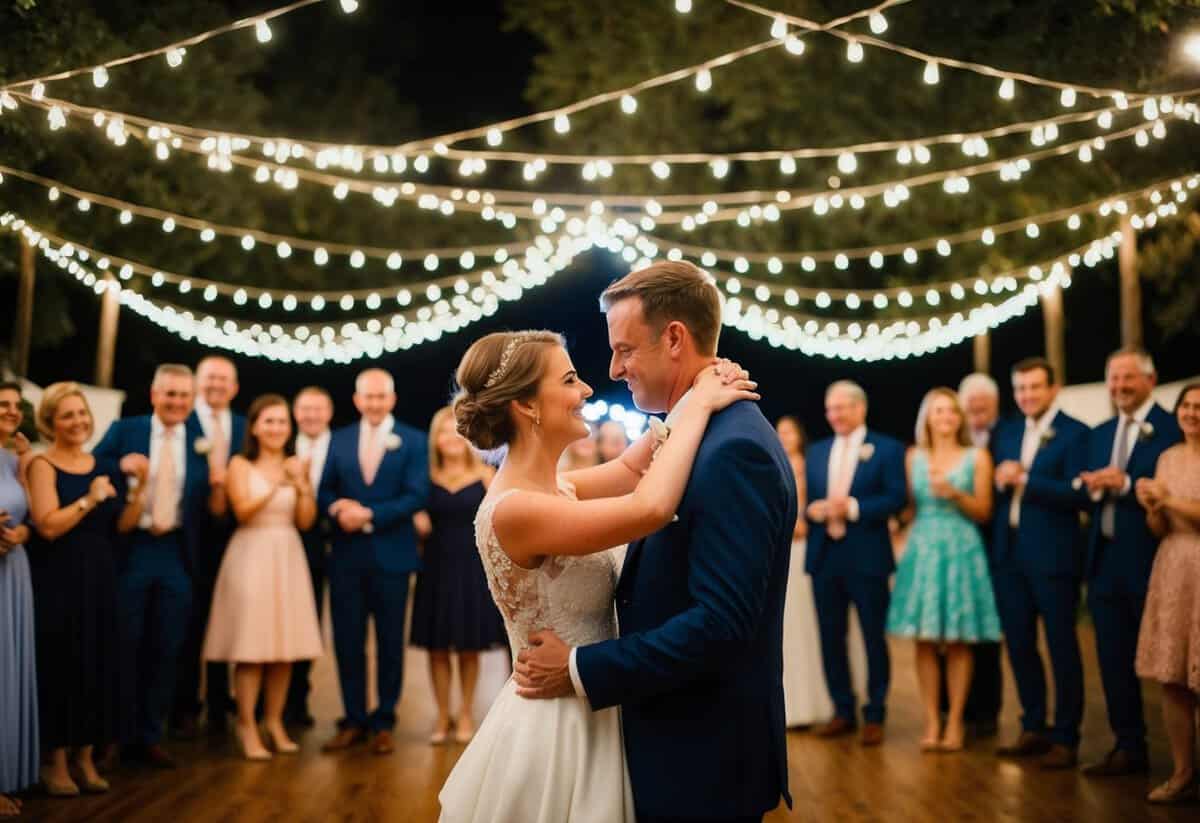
(983,353)
(106,344)
(23,324)
(1131,286)
(1052,316)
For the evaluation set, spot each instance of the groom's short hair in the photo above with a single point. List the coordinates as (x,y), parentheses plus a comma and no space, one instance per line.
(673,290)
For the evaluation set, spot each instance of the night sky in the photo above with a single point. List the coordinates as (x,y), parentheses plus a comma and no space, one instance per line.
(461,69)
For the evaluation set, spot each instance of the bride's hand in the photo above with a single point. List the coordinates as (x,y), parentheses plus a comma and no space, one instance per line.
(722,385)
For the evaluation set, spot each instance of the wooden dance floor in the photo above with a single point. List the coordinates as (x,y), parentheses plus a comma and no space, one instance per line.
(830,780)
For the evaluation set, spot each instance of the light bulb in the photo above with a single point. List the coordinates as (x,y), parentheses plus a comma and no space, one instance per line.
(703,80)
(683,6)
(854,51)
(787,164)
(494,137)
(794,45)
(779,28)
(1067,98)
(562,124)
(349,6)
(100,77)
(847,162)
(262,31)
(931,75)
(660,169)
(878,23)
(38,92)
(1008,89)
(628,103)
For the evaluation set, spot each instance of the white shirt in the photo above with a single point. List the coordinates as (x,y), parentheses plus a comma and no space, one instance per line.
(225,416)
(315,449)
(981,437)
(841,443)
(160,439)
(1030,443)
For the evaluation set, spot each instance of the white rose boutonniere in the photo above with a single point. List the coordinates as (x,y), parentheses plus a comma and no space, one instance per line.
(202,446)
(392,442)
(661,431)
(865,452)
(1145,431)
(1046,437)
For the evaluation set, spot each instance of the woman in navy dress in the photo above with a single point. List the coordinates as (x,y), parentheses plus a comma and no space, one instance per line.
(452,607)
(18,680)
(79,505)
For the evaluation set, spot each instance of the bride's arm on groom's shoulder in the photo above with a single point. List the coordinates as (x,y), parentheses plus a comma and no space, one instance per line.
(616,477)
(531,525)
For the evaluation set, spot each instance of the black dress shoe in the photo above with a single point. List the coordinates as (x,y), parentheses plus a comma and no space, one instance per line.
(152,755)
(1029,744)
(1118,762)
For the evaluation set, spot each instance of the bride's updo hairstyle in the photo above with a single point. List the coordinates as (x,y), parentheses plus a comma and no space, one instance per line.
(496,370)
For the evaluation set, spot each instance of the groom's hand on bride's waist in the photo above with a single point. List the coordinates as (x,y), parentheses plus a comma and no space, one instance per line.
(542,670)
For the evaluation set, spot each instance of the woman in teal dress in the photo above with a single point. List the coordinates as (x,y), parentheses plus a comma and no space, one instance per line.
(943,595)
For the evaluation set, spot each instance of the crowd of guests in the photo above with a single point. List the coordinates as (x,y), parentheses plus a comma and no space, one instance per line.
(192,540)
(1000,525)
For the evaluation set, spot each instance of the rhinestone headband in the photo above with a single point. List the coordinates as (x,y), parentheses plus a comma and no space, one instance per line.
(505,356)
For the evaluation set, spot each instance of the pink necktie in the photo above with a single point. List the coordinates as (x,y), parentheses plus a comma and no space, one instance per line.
(839,486)
(370,455)
(162,510)
(220,443)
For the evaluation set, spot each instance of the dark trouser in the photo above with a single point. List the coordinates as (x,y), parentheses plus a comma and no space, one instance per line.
(187,686)
(833,592)
(297,699)
(987,685)
(1116,606)
(1021,598)
(155,603)
(354,594)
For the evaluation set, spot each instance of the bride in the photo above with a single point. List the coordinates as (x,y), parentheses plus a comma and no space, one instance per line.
(544,539)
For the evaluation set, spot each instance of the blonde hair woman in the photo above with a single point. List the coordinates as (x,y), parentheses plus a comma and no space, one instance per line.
(453,611)
(79,504)
(943,594)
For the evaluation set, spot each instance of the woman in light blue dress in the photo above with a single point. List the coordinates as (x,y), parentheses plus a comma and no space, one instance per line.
(18,686)
(943,595)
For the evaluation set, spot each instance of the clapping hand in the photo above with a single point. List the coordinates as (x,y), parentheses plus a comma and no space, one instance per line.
(101,489)
(351,515)
(1107,479)
(818,510)
(295,472)
(1150,493)
(1008,474)
(939,485)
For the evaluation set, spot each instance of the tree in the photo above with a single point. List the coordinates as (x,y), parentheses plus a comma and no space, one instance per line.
(775,100)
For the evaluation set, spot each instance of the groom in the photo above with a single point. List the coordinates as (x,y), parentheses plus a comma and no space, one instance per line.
(698,668)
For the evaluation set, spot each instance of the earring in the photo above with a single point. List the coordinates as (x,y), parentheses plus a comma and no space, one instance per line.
(537,420)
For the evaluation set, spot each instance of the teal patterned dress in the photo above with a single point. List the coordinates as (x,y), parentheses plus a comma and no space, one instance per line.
(943,591)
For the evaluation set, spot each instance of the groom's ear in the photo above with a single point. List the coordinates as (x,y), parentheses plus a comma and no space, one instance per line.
(676,338)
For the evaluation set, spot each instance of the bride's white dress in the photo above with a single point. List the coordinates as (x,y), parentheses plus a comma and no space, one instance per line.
(544,761)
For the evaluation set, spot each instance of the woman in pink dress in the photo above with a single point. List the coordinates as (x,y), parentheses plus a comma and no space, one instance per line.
(264,616)
(1169,641)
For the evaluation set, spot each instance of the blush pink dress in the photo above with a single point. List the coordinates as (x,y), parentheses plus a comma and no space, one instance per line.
(263,609)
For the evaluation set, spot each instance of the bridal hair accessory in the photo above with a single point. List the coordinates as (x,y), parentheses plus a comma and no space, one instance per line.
(505,356)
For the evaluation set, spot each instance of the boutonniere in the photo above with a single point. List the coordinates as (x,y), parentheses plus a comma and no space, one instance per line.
(202,446)
(660,431)
(392,442)
(1046,437)
(1145,431)
(865,452)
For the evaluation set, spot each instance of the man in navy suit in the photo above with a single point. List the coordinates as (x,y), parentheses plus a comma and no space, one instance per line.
(224,432)
(698,669)
(1120,547)
(154,584)
(1036,544)
(376,478)
(856,481)
(313,410)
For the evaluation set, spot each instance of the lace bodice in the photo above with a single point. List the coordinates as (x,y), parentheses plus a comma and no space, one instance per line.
(571,595)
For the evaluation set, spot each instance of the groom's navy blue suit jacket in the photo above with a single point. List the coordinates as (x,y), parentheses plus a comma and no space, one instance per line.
(698,669)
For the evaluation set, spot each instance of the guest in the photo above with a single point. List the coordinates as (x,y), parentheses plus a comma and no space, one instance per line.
(611,440)
(979,397)
(154,583)
(313,410)
(582,454)
(943,595)
(223,432)
(18,681)
(1120,547)
(856,480)
(1036,561)
(452,607)
(805,695)
(263,613)
(1169,644)
(78,502)
(376,478)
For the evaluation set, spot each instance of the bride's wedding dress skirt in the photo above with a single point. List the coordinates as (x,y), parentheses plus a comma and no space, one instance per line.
(541,761)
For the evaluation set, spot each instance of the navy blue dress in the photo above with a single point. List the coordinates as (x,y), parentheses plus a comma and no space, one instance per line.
(452,607)
(76,619)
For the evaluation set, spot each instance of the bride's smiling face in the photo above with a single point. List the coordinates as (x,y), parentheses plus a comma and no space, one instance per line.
(560,398)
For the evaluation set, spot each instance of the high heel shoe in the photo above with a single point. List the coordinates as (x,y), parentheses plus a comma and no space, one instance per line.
(249,755)
(55,788)
(97,786)
(1185,792)
(281,744)
(441,734)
